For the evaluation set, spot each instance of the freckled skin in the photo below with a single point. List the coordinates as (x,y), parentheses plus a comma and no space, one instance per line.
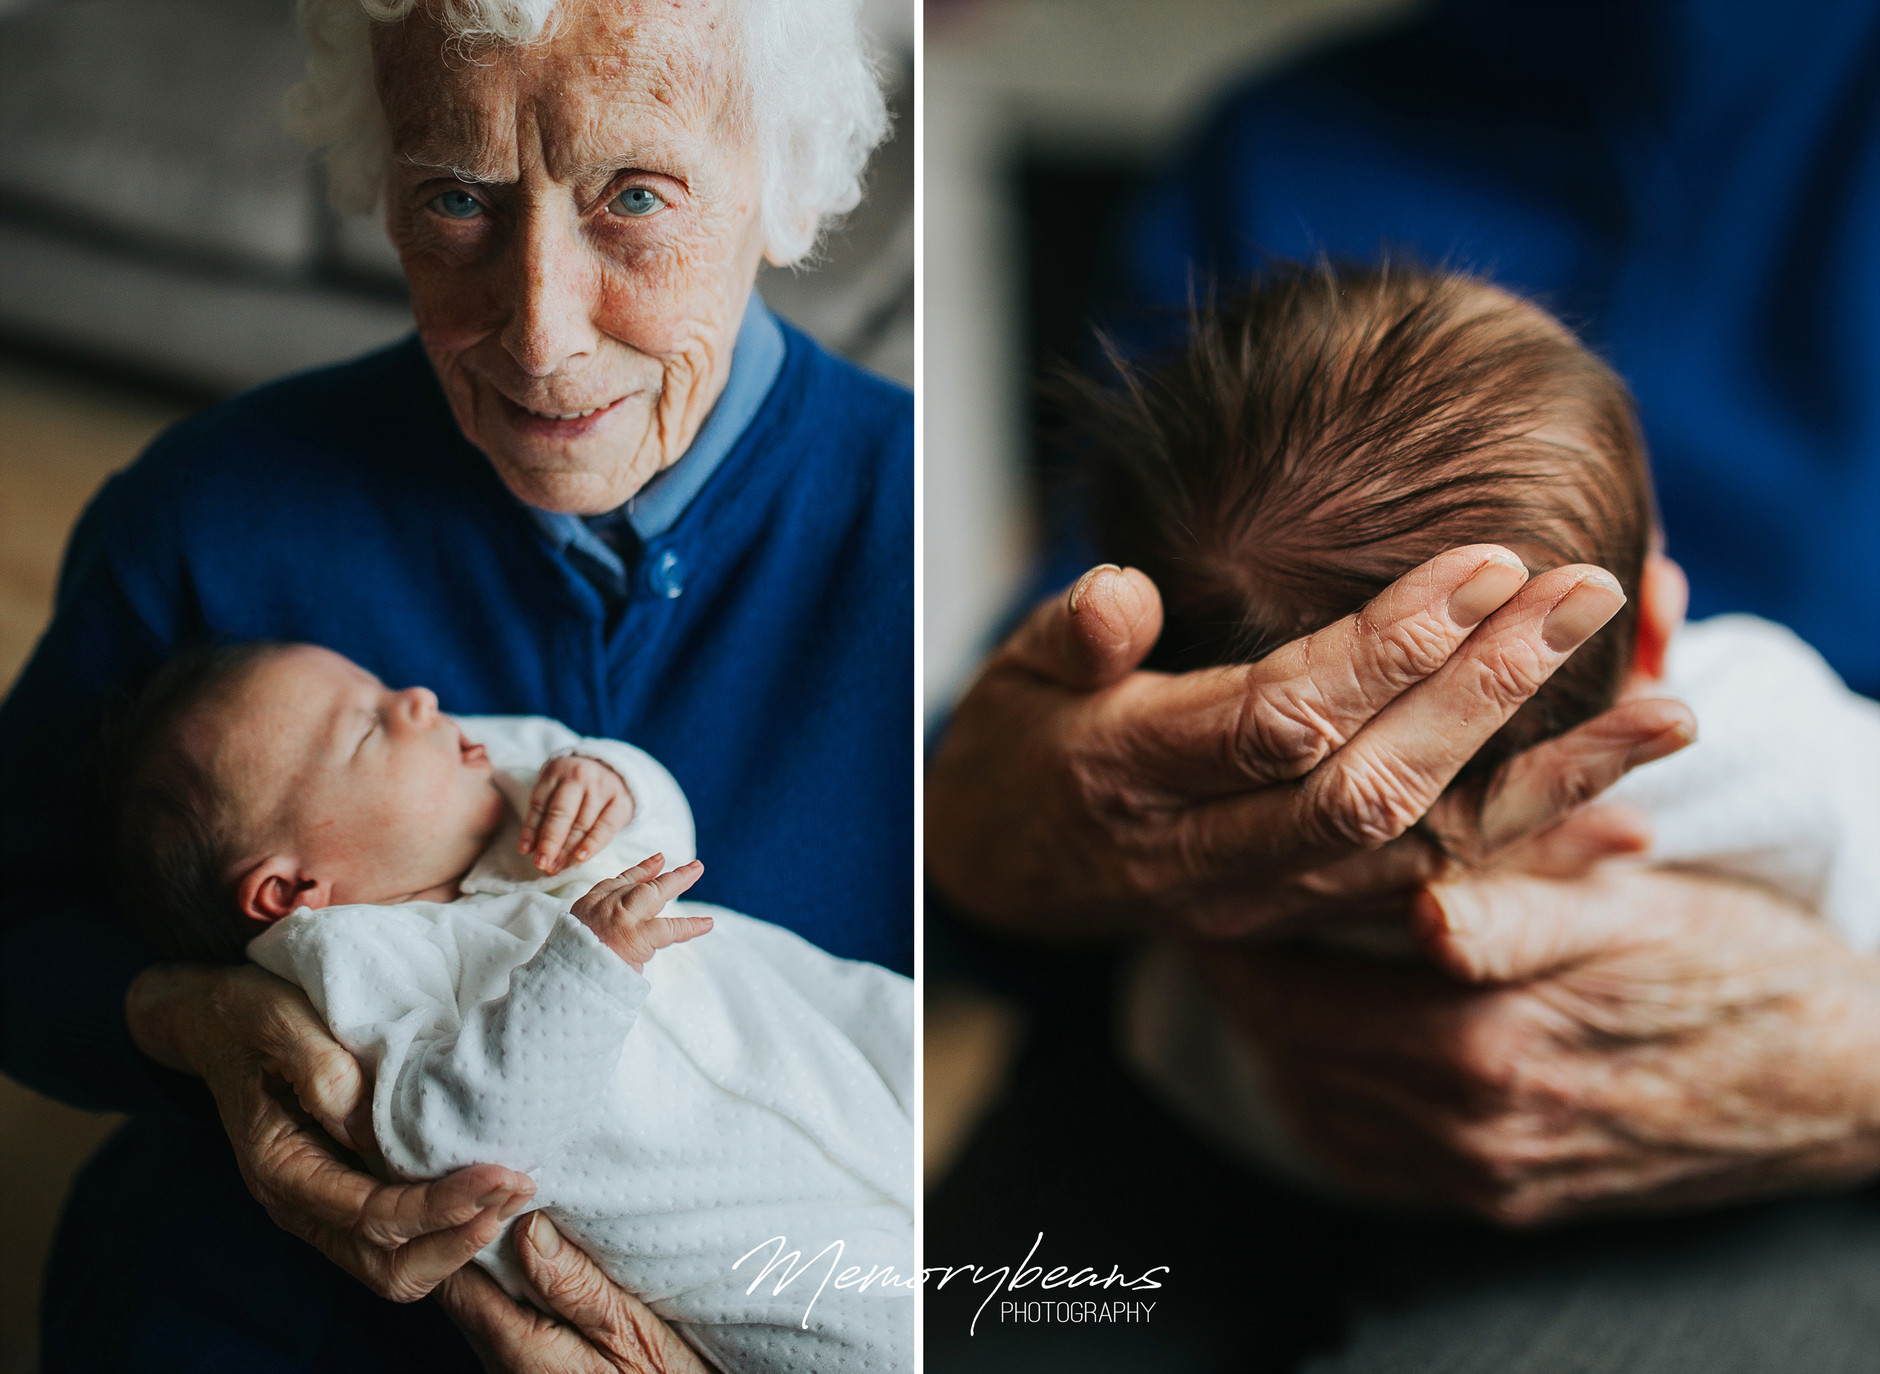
(553,294)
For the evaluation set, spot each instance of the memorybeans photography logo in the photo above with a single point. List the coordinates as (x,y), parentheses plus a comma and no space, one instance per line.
(794,1267)
(1061,1281)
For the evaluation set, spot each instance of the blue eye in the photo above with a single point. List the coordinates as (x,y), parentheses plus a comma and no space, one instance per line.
(636,202)
(457,205)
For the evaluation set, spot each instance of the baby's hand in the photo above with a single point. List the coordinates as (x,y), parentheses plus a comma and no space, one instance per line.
(624,911)
(578,805)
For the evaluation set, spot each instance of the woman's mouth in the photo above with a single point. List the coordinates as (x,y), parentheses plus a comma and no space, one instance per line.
(563,425)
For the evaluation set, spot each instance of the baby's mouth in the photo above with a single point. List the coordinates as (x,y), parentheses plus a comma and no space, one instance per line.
(474,755)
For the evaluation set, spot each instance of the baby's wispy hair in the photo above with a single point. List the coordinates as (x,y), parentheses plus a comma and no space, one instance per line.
(1333,427)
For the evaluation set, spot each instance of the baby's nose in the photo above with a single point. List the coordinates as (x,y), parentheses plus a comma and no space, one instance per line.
(420,704)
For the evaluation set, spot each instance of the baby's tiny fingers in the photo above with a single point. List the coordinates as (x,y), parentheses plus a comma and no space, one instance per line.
(671,884)
(676,930)
(562,809)
(593,803)
(642,901)
(601,833)
(538,802)
(603,893)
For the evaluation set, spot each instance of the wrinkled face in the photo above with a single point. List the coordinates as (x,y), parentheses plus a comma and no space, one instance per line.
(578,219)
(376,791)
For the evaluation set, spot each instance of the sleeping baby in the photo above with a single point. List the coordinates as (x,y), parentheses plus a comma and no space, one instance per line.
(478,907)
(1334,429)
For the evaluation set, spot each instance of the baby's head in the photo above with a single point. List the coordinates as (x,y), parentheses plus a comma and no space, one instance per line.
(1311,443)
(253,780)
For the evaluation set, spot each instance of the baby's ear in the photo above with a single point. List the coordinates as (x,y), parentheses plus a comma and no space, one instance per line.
(275,886)
(1663,594)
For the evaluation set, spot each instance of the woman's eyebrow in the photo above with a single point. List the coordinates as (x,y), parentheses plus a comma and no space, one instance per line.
(451,170)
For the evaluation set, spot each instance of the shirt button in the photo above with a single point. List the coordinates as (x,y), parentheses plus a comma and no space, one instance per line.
(665,574)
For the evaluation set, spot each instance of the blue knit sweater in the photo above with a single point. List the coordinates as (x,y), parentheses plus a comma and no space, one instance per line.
(1692,184)
(343,508)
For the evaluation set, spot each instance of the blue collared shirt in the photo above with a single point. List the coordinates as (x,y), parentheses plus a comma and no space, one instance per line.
(756,359)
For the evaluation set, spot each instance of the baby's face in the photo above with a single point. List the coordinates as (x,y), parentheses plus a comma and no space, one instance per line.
(376,793)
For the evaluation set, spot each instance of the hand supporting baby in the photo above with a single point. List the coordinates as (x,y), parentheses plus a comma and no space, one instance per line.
(624,911)
(577,807)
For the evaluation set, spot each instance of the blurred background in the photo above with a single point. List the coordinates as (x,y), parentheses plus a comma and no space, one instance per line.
(1042,121)
(163,242)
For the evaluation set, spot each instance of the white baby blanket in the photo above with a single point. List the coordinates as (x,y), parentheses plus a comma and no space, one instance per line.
(748,1087)
(1782,787)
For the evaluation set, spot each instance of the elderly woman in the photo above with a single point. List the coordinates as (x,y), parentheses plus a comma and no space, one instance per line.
(602,484)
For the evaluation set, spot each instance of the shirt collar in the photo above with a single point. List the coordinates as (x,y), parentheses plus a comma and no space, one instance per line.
(756,359)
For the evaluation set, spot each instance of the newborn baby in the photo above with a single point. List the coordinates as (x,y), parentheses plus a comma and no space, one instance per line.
(1333,430)
(450,894)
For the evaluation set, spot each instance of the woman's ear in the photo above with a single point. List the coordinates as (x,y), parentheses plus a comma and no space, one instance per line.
(275,887)
(1663,594)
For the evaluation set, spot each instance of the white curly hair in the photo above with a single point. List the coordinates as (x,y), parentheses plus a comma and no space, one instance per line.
(814,88)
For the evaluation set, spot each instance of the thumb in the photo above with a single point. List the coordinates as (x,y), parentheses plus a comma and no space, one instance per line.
(505,1335)
(326,1078)
(578,1291)
(676,930)
(1576,845)
(1093,636)
(1510,928)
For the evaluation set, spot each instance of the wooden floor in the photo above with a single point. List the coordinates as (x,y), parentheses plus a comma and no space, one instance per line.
(59,438)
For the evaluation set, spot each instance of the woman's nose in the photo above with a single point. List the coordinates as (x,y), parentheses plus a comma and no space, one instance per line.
(551,283)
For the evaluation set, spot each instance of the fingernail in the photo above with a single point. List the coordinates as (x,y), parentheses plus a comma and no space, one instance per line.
(1487,591)
(1581,612)
(1127,591)
(1461,911)
(1084,582)
(1661,745)
(491,1198)
(544,1239)
(516,1203)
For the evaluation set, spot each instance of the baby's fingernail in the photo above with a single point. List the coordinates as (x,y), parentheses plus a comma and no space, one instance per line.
(1487,589)
(1580,613)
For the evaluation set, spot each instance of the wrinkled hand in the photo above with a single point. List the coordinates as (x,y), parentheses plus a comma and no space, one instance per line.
(1074,791)
(287,1092)
(624,911)
(597,1327)
(1630,1040)
(577,806)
